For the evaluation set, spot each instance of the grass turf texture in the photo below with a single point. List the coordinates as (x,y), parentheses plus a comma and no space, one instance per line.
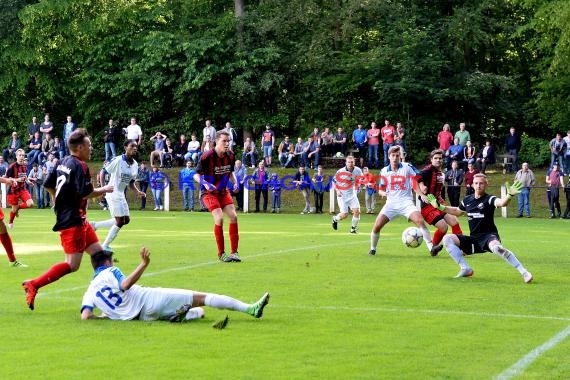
(334,311)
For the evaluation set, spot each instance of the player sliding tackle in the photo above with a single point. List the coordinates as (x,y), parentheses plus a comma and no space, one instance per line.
(484,236)
(397,184)
(119,298)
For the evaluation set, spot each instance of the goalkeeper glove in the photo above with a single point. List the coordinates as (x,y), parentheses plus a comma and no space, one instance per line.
(433,201)
(513,189)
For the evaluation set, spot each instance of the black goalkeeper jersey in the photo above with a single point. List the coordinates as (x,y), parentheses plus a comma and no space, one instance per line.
(480,214)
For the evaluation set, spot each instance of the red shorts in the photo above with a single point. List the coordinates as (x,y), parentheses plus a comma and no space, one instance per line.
(213,201)
(432,215)
(13,199)
(1,214)
(77,239)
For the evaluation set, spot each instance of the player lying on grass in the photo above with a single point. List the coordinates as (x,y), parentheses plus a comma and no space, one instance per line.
(484,236)
(118,296)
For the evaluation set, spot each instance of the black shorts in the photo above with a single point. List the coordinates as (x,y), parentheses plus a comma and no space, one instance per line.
(476,244)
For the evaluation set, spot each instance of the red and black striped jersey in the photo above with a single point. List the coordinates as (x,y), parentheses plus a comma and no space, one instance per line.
(16,170)
(216,169)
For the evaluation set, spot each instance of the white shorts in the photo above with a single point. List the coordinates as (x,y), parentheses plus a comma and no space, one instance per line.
(345,203)
(162,303)
(118,206)
(394,209)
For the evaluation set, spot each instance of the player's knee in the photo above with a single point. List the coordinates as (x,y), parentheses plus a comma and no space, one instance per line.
(448,240)
(498,249)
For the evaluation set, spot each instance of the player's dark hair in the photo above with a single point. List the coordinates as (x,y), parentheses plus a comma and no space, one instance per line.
(99,258)
(77,138)
(434,152)
(127,142)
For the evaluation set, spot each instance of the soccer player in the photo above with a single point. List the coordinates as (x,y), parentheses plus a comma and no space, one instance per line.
(484,236)
(123,171)
(346,182)
(70,186)
(4,236)
(214,173)
(432,183)
(119,298)
(17,192)
(397,186)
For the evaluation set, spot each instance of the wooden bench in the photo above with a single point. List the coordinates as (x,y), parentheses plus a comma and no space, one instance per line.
(506,161)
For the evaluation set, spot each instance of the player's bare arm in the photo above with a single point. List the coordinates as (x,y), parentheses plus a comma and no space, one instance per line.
(198,178)
(139,270)
(137,191)
(98,191)
(431,199)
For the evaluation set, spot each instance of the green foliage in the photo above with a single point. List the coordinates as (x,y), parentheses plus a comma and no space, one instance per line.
(535,151)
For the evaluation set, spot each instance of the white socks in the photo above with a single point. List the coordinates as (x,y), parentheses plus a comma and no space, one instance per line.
(374,237)
(111,235)
(355,222)
(509,257)
(218,301)
(104,224)
(455,252)
(427,237)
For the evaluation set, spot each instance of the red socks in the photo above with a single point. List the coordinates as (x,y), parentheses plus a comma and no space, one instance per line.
(219,234)
(437,237)
(53,274)
(234,237)
(7,243)
(456,229)
(12,216)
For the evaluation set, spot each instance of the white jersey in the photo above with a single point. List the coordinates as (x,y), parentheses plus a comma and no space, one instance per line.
(399,183)
(347,183)
(105,293)
(121,174)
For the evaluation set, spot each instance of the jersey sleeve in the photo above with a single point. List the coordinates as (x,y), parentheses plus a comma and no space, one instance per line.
(87,302)
(113,164)
(82,181)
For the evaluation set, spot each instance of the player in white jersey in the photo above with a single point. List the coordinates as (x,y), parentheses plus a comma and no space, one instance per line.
(119,298)
(123,170)
(397,185)
(346,181)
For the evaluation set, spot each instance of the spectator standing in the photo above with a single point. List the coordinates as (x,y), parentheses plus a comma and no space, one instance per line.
(36,177)
(3,166)
(513,145)
(566,160)
(111,136)
(46,126)
(240,172)
(267,144)
(157,181)
(298,152)
(400,136)
(469,175)
(68,129)
(463,135)
(526,177)
(557,151)
(303,183)
(209,130)
(370,189)
(14,144)
(359,139)
(387,132)
(373,138)
(233,135)
(285,151)
(134,132)
(326,142)
(249,151)
(339,141)
(486,157)
(319,189)
(260,179)
(554,180)
(187,185)
(453,180)
(33,127)
(275,188)
(143,177)
(445,138)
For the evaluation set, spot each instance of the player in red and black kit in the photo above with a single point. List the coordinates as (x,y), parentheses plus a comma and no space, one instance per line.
(18,191)
(4,237)
(215,172)
(432,183)
(70,186)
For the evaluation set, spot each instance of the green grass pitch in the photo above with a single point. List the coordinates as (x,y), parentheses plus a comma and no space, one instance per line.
(334,312)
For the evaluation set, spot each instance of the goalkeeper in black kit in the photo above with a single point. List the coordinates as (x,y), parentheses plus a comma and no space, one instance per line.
(484,236)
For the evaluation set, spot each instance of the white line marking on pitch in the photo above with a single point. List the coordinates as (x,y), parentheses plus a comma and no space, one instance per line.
(519,367)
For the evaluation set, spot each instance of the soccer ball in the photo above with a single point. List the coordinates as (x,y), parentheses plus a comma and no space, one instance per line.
(412,237)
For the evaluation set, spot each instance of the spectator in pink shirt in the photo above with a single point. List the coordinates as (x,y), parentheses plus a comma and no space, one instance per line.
(387,132)
(445,140)
(373,137)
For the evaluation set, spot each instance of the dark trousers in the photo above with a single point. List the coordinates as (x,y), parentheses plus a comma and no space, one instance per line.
(319,195)
(554,200)
(143,186)
(454,193)
(260,190)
